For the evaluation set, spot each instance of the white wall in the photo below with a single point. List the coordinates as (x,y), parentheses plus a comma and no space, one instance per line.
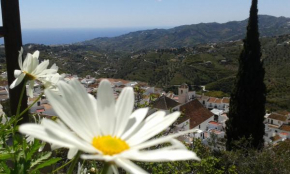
(203,125)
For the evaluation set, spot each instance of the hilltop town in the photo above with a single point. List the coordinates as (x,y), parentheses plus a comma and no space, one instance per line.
(207,114)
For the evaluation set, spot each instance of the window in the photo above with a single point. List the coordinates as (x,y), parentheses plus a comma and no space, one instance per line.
(181,91)
(216,118)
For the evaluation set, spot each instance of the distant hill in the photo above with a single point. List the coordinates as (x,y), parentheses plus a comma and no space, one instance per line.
(190,35)
(214,65)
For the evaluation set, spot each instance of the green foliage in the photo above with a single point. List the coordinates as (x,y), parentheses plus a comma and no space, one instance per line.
(218,94)
(17,156)
(209,163)
(225,85)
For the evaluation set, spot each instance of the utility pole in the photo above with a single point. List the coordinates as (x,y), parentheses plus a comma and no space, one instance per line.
(11,31)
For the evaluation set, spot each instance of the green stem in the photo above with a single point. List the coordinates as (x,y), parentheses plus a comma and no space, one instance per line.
(106,168)
(31,104)
(13,124)
(21,97)
(62,166)
(74,162)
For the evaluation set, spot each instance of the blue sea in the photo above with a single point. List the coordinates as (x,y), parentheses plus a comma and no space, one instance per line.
(69,36)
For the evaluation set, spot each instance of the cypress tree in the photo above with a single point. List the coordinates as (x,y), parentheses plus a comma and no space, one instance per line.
(247,104)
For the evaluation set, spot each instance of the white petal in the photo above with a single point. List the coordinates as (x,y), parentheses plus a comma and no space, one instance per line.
(130,166)
(36,54)
(27,62)
(54,147)
(71,153)
(17,81)
(161,155)
(110,170)
(30,88)
(115,169)
(106,158)
(136,118)
(46,72)
(153,125)
(41,147)
(124,108)
(75,109)
(89,105)
(33,65)
(56,130)
(20,58)
(38,131)
(17,73)
(54,67)
(41,67)
(96,125)
(175,145)
(161,140)
(106,107)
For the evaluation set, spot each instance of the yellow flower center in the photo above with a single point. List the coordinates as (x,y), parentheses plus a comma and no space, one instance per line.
(110,145)
(29,76)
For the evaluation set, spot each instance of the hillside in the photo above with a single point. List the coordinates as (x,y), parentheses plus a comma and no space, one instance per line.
(190,35)
(213,65)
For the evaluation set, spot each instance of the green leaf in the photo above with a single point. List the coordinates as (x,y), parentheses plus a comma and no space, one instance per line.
(40,160)
(34,148)
(5,156)
(46,163)
(4,168)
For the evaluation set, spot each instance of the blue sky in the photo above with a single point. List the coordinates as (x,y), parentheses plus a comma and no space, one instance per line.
(139,13)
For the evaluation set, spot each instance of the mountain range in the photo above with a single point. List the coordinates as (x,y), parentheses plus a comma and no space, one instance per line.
(190,35)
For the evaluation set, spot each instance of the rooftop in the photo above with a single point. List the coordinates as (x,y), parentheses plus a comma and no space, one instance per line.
(196,112)
(275,138)
(164,103)
(212,99)
(218,100)
(226,100)
(277,116)
(285,127)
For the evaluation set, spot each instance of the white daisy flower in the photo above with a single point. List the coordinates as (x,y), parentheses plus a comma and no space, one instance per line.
(30,139)
(109,131)
(32,70)
(52,80)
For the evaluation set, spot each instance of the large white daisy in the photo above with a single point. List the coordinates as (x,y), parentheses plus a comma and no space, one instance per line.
(109,131)
(32,70)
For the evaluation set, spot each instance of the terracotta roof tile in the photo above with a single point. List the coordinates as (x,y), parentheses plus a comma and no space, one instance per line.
(164,103)
(218,100)
(275,138)
(284,133)
(212,99)
(226,100)
(285,127)
(277,117)
(283,112)
(196,112)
